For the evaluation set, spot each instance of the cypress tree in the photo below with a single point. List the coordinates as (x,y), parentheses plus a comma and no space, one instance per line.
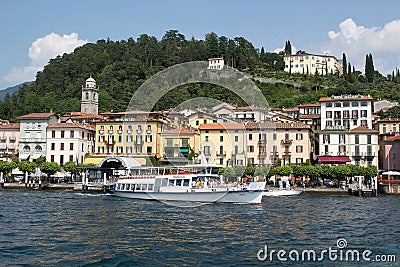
(369,68)
(344,61)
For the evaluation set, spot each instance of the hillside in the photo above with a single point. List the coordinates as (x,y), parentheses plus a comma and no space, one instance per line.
(11,90)
(120,67)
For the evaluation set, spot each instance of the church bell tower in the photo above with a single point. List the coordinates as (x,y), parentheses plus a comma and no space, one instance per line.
(90,97)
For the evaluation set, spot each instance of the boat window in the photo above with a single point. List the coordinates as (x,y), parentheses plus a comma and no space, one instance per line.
(186,182)
(171,182)
(137,187)
(178,182)
(150,188)
(144,187)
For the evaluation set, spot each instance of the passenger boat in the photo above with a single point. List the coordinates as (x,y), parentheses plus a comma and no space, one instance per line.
(190,183)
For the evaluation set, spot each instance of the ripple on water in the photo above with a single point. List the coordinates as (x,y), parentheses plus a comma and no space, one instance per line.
(70,229)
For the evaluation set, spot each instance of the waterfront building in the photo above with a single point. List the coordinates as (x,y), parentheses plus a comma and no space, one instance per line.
(90,97)
(311,64)
(346,134)
(389,153)
(33,127)
(216,63)
(178,144)
(132,133)
(223,143)
(346,112)
(9,140)
(278,143)
(69,142)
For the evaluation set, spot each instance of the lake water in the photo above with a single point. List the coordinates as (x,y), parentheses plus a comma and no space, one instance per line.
(40,228)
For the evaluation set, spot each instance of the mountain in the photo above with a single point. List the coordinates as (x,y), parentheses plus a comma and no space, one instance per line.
(11,90)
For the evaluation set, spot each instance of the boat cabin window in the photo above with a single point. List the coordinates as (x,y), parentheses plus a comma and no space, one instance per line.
(178,182)
(137,187)
(144,187)
(150,187)
(171,182)
(186,182)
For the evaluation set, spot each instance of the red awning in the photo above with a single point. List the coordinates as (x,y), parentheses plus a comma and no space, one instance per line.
(332,159)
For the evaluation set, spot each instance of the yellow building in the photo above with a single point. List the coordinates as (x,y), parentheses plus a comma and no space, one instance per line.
(310,64)
(223,143)
(178,145)
(123,135)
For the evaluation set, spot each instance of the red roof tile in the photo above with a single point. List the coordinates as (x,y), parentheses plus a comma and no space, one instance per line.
(221,126)
(36,116)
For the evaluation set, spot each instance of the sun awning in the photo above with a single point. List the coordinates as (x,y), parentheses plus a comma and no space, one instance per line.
(333,159)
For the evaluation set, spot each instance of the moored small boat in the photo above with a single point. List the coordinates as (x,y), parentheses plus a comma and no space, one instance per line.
(281,192)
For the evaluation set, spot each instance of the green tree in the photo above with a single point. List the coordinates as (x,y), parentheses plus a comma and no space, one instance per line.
(369,68)
(288,48)
(344,61)
(50,168)
(283,170)
(27,167)
(70,167)
(6,166)
(229,173)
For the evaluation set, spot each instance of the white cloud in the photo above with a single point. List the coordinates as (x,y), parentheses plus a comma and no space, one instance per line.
(358,41)
(43,49)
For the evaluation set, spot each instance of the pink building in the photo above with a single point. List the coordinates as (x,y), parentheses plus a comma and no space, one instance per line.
(390,153)
(9,139)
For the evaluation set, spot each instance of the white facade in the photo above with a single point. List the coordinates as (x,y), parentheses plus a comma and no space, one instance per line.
(310,64)
(32,142)
(69,142)
(216,63)
(360,145)
(346,112)
(346,129)
(90,97)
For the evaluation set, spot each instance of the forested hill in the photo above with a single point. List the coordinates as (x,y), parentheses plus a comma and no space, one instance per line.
(120,67)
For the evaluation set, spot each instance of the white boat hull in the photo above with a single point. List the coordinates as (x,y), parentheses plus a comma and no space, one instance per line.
(239,196)
(280,193)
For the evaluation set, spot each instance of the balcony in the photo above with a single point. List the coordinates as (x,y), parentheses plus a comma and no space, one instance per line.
(12,138)
(221,155)
(354,116)
(129,131)
(110,131)
(274,154)
(262,142)
(286,154)
(119,131)
(357,154)
(148,131)
(262,153)
(370,154)
(286,141)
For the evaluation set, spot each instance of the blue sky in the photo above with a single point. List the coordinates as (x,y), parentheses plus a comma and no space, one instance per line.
(35,31)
